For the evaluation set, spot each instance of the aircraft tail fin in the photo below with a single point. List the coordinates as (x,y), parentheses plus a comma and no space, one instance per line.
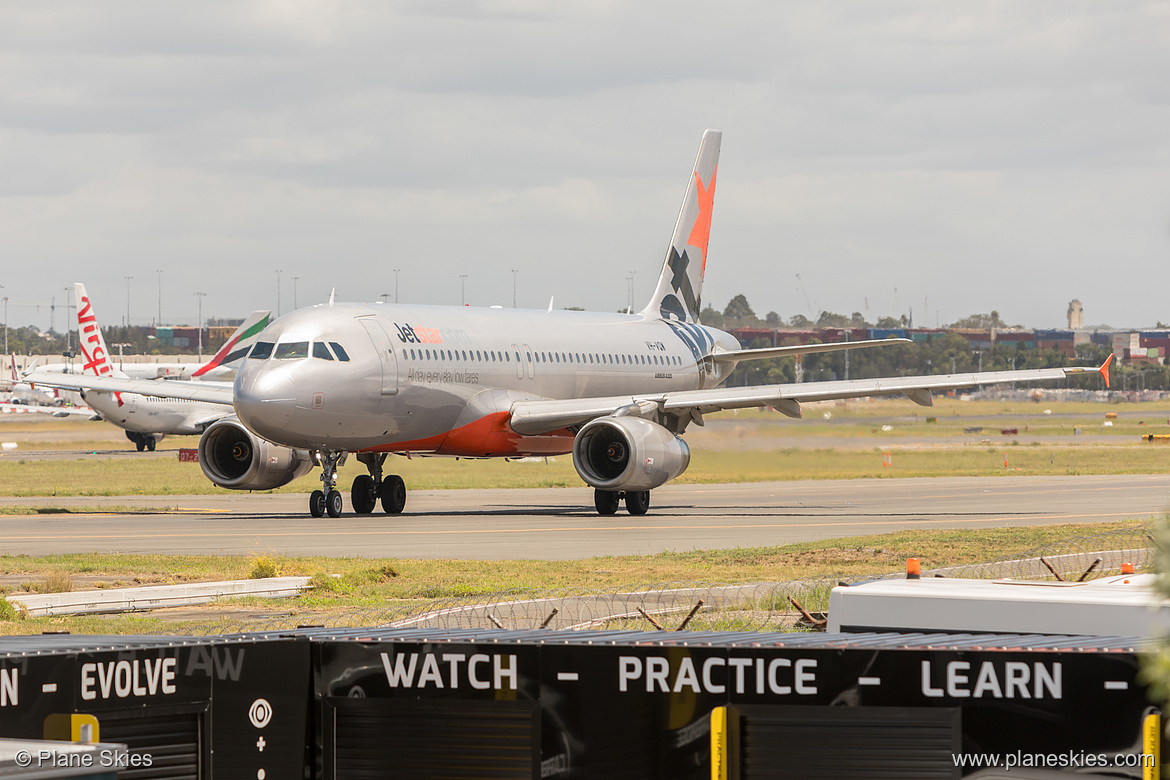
(89,338)
(236,348)
(680,286)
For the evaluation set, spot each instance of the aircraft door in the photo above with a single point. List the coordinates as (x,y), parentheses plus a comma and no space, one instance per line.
(519,361)
(385,349)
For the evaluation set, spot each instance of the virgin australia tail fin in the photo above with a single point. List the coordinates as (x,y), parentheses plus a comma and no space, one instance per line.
(89,338)
(677,296)
(236,348)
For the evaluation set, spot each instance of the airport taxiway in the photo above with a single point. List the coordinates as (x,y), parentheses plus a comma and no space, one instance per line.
(560,523)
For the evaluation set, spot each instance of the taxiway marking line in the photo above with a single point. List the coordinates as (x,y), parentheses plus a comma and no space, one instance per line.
(456,532)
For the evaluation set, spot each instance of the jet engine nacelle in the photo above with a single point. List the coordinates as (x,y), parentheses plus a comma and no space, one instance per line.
(628,453)
(233,457)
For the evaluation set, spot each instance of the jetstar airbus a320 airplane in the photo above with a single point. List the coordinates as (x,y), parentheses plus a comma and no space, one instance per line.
(614,390)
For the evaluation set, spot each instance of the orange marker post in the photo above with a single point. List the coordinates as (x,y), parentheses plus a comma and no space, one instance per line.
(913,569)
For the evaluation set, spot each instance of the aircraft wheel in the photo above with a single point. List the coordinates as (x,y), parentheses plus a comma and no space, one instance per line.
(150,443)
(606,501)
(638,502)
(140,444)
(317,503)
(333,503)
(393,494)
(363,496)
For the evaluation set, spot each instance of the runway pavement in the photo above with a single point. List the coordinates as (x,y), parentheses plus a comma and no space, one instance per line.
(554,524)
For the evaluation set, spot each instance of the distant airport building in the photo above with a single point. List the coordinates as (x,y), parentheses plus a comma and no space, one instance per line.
(1076,315)
(1138,346)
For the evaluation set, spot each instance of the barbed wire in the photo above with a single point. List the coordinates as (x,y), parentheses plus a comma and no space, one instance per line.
(795,605)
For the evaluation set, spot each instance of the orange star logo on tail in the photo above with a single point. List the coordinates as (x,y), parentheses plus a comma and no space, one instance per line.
(701,232)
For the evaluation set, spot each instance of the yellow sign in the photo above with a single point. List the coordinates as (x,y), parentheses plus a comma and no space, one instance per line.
(75,727)
(1152,746)
(719,743)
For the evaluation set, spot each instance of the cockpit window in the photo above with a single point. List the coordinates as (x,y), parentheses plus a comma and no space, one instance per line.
(337,350)
(321,351)
(262,350)
(292,350)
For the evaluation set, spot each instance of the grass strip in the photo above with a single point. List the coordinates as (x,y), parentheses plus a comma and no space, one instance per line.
(343,584)
(125,477)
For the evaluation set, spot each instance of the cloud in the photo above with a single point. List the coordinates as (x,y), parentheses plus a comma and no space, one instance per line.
(871,144)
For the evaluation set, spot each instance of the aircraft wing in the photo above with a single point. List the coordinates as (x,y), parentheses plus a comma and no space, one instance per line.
(210,392)
(533,417)
(800,349)
(54,411)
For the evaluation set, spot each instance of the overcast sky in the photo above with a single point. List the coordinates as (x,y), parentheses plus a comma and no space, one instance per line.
(948,158)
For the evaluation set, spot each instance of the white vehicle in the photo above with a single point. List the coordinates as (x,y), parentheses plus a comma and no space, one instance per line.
(1120,605)
(615,390)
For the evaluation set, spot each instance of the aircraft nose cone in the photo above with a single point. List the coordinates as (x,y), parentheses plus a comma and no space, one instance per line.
(265,401)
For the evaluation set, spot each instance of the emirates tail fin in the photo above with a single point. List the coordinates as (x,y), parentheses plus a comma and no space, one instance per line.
(236,348)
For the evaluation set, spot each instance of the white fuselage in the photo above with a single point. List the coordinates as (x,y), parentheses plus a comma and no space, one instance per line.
(442,379)
(147,414)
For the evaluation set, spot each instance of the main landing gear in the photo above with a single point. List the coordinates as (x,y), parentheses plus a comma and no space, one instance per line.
(142,441)
(607,501)
(369,488)
(366,491)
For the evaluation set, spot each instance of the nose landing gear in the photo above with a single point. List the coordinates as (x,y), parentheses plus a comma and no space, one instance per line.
(329,499)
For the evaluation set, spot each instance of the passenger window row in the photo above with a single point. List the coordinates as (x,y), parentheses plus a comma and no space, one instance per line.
(581,358)
(296,350)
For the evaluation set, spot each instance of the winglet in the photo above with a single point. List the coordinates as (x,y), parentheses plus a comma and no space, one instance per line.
(1104,369)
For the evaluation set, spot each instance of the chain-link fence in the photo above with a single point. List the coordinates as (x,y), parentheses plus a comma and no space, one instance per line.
(1090,556)
(797,605)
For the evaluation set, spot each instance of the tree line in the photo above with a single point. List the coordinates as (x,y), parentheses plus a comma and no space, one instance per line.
(140,340)
(944,353)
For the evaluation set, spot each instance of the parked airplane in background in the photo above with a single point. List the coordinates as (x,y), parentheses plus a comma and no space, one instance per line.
(19,397)
(20,392)
(148,418)
(615,390)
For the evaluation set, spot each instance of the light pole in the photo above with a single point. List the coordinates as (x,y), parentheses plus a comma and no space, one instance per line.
(120,346)
(68,316)
(278,292)
(5,324)
(200,323)
(514,272)
(396,270)
(127,278)
(159,272)
(295,307)
(462,291)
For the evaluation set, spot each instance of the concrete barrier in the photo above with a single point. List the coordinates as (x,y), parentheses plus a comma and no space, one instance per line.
(155,596)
